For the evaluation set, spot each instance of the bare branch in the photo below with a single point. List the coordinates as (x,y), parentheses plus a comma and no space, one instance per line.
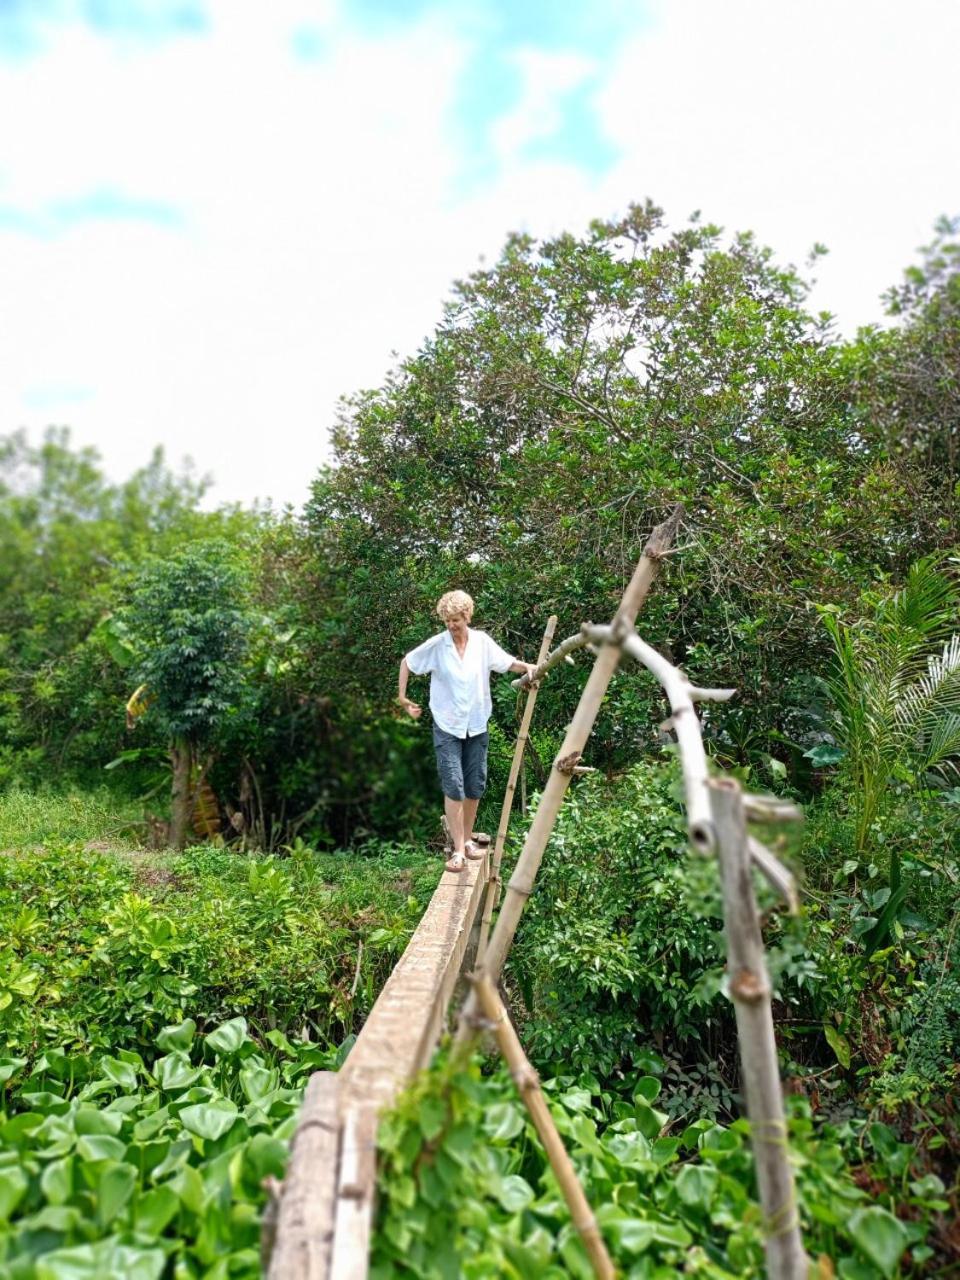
(775,873)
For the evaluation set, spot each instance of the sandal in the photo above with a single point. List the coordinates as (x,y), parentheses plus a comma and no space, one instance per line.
(473,851)
(455,862)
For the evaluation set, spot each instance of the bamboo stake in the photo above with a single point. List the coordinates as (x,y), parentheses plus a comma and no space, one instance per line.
(749,988)
(493,884)
(521,882)
(682,695)
(528,1085)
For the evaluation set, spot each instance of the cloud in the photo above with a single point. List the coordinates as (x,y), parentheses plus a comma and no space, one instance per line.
(243,222)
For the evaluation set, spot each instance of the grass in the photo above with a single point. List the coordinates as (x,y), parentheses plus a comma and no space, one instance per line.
(29,819)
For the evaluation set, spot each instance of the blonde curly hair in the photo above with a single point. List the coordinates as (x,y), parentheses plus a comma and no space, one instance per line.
(453,603)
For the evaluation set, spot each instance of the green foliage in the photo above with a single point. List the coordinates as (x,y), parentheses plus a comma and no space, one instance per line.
(103,949)
(895,686)
(188,622)
(617,943)
(159,1015)
(121,1165)
(465,1189)
(30,818)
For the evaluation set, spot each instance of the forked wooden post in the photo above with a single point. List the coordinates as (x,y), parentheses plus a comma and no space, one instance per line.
(749,988)
(493,884)
(607,660)
(528,1085)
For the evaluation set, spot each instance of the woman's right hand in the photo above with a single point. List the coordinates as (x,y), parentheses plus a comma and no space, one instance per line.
(411,708)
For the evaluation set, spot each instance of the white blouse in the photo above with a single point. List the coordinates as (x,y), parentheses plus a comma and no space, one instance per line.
(459,687)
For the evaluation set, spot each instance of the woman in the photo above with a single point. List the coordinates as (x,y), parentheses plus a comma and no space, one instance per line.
(458,661)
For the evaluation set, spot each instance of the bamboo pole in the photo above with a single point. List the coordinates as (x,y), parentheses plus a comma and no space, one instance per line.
(493,884)
(749,988)
(528,1085)
(525,872)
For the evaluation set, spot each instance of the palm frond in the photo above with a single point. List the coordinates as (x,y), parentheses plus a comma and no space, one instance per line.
(934,694)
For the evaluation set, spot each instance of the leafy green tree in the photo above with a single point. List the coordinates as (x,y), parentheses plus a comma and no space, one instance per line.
(572,393)
(71,543)
(190,620)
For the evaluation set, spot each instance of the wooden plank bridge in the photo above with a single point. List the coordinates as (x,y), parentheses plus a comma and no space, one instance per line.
(323,1220)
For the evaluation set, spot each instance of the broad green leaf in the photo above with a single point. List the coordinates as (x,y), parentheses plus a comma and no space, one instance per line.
(90,1120)
(647,1087)
(695,1185)
(257,1081)
(105,1260)
(179,1036)
(188,1185)
(209,1119)
(121,1073)
(503,1121)
(175,1072)
(56,1181)
(100,1147)
(228,1037)
(9,1068)
(114,1189)
(433,1116)
(155,1209)
(514,1193)
(879,1235)
(13,1184)
(838,1043)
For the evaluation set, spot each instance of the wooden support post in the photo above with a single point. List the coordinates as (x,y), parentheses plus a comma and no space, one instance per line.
(528,1084)
(521,882)
(493,884)
(356,1189)
(304,1226)
(749,988)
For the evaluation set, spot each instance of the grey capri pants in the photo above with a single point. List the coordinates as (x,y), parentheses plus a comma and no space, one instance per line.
(461,764)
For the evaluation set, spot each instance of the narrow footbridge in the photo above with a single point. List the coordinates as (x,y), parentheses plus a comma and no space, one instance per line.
(324,1214)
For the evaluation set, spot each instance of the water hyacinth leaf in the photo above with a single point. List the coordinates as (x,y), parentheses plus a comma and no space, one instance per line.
(179,1036)
(105,1260)
(155,1209)
(647,1088)
(145,1129)
(89,1120)
(880,1236)
(9,1068)
(503,1121)
(61,1218)
(121,1073)
(175,1072)
(257,1081)
(13,1184)
(266,1155)
(229,1037)
(100,1147)
(188,1185)
(209,1120)
(696,1185)
(114,1189)
(56,1181)
(515,1193)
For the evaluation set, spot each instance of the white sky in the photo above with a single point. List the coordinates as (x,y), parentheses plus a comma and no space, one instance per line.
(320,209)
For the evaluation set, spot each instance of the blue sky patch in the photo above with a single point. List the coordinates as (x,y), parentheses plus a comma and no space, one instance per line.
(492,82)
(104,205)
(24,24)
